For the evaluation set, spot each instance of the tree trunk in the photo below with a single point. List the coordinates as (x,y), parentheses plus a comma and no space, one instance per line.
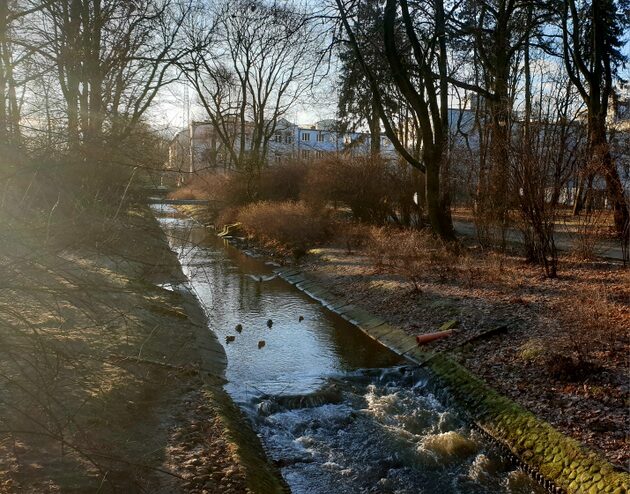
(375,130)
(578,201)
(439,216)
(600,154)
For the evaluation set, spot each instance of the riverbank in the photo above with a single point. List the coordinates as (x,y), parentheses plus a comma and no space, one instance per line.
(533,330)
(540,325)
(110,381)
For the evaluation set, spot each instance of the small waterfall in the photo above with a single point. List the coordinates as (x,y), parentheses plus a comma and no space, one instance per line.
(337,412)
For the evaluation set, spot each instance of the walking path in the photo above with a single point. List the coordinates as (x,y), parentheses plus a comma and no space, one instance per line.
(606,249)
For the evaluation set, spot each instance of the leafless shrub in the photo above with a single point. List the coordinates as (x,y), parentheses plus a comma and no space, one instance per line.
(353,236)
(378,246)
(412,254)
(591,332)
(192,191)
(282,182)
(359,182)
(289,225)
(222,189)
(585,230)
(227,216)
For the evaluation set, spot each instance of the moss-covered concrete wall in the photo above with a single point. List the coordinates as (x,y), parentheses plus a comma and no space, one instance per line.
(563,462)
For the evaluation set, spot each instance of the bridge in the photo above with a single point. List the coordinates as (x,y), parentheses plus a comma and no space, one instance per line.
(158,194)
(175,202)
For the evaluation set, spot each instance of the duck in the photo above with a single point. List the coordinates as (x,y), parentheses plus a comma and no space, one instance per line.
(301,318)
(261,344)
(230,338)
(269,323)
(238,328)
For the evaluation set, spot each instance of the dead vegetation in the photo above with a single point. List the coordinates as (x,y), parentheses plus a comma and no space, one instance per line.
(93,353)
(567,339)
(291,226)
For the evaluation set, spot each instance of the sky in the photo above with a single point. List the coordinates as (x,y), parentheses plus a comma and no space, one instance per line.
(171,111)
(176,104)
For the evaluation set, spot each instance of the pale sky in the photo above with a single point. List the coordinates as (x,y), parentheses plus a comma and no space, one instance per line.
(170,111)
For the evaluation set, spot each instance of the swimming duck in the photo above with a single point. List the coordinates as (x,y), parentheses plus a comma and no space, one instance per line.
(239,328)
(261,344)
(269,323)
(230,338)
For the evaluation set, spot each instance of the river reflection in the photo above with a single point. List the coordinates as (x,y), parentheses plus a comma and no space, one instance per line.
(335,410)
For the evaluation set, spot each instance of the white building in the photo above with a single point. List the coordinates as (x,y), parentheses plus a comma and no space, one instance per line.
(198,147)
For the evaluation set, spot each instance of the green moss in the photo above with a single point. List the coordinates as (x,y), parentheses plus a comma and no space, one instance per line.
(531,351)
(558,457)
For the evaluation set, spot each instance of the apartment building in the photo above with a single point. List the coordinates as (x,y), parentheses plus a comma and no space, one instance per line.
(199,147)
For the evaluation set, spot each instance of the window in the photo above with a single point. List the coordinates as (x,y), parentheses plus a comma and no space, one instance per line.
(277,138)
(347,140)
(288,139)
(306,136)
(320,137)
(319,154)
(306,153)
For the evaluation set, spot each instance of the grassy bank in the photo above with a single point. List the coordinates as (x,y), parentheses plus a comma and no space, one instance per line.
(108,381)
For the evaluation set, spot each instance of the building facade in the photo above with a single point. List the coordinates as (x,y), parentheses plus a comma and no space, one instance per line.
(199,147)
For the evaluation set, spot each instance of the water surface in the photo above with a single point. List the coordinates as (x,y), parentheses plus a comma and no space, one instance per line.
(335,410)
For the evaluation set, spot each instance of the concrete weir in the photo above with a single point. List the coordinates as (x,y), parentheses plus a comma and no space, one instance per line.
(555,461)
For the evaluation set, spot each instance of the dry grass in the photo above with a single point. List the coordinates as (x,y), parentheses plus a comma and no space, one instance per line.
(227,216)
(413,254)
(192,191)
(225,189)
(290,226)
(597,324)
(583,316)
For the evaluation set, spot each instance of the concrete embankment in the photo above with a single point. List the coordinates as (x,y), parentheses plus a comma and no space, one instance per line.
(558,462)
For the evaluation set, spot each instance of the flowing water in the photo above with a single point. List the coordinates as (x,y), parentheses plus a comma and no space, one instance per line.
(337,412)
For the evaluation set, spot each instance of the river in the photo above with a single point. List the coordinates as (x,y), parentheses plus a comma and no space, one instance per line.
(336,411)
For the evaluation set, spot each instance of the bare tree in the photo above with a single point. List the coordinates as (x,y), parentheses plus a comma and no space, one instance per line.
(544,156)
(111,59)
(15,53)
(591,35)
(423,28)
(249,62)
(489,38)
